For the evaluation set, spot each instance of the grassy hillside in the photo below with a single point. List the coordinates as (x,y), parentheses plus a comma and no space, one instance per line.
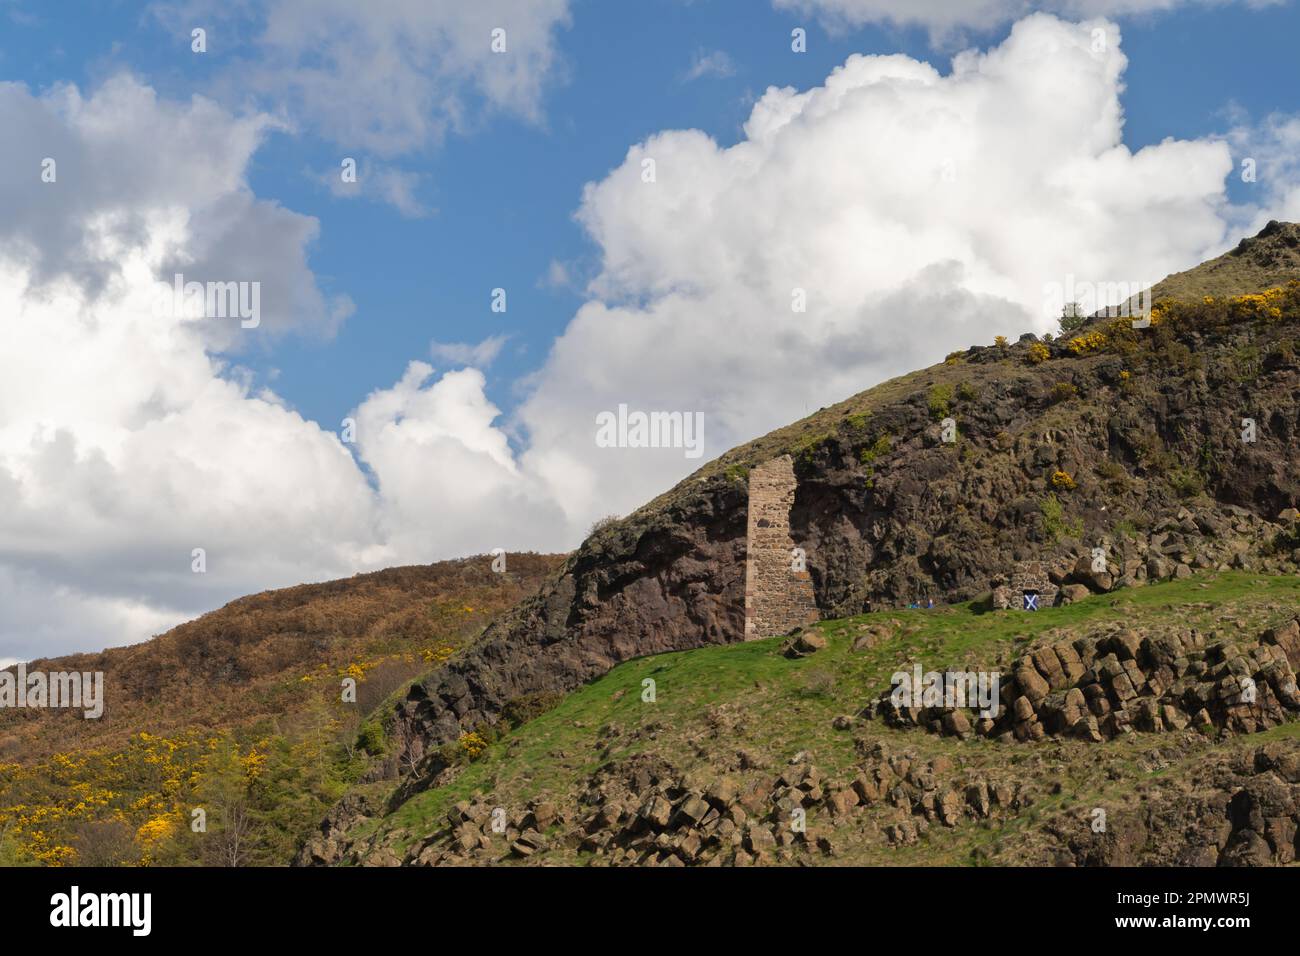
(1171,448)
(746,712)
(1271,258)
(239,712)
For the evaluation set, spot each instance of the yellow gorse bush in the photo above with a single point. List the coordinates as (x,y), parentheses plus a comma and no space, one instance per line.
(1267,304)
(472,744)
(155,829)
(1062,479)
(1090,342)
(150,779)
(437,655)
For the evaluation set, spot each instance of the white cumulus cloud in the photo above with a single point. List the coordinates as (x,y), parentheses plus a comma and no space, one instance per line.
(127,441)
(389,76)
(915,212)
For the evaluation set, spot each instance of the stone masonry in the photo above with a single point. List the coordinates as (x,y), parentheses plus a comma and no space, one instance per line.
(778,589)
(1028,576)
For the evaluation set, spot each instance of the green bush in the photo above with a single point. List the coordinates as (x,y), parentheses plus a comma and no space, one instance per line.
(1185,482)
(1072,319)
(1126,529)
(1113,473)
(940,401)
(807,449)
(371,738)
(1054,522)
(600,524)
(882,446)
(1063,392)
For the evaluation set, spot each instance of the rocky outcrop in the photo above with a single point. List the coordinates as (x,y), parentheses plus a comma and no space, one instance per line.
(1106,685)
(887,513)
(1244,811)
(1151,468)
(668,579)
(643,812)
(331,840)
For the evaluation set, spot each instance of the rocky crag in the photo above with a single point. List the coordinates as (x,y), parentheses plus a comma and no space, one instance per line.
(1244,811)
(1103,685)
(1129,441)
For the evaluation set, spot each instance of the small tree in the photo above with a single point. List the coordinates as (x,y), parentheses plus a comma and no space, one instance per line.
(1072,318)
(104,843)
(223,793)
(600,524)
(403,742)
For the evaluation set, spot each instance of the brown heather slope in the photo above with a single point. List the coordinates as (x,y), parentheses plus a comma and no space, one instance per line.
(1126,438)
(1268,259)
(257,656)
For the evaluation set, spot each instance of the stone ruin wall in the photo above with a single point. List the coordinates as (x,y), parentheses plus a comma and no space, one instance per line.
(1028,576)
(777,597)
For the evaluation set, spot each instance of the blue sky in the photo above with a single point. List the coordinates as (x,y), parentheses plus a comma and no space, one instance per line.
(129,438)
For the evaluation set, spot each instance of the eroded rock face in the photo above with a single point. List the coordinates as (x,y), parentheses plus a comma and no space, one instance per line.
(1106,685)
(644,812)
(1244,812)
(666,581)
(1035,479)
(331,841)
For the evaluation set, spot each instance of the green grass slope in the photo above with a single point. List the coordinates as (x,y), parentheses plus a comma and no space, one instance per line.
(745,710)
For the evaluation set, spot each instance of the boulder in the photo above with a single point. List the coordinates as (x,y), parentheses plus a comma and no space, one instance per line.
(1074,592)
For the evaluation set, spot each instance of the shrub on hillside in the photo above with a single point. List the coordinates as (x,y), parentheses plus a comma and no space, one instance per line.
(1072,319)
(1054,523)
(1089,342)
(1063,392)
(600,524)
(472,745)
(940,401)
(1185,482)
(371,738)
(1063,480)
(520,710)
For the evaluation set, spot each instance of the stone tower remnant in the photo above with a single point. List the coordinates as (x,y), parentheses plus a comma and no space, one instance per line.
(778,589)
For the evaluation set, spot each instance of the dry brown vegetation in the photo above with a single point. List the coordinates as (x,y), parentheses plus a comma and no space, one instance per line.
(259,656)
